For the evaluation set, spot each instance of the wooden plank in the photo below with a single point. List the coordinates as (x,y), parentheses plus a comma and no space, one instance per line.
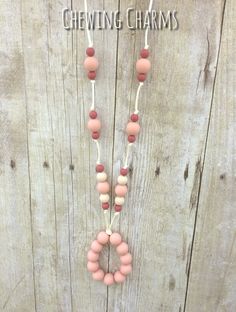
(158,218)
(213,270)
(16,262)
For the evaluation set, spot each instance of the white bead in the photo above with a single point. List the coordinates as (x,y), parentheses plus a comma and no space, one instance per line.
(122,180)
(104,198)
(119,200)
(101,176)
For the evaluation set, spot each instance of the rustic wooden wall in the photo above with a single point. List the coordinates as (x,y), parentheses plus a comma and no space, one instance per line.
(180,214)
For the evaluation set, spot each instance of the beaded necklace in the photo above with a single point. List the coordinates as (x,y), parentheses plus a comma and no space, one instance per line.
(132,129)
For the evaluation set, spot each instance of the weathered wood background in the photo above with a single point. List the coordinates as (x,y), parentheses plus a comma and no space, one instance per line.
(180,216)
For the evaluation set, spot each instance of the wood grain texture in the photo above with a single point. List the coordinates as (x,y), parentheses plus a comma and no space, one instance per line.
(178,217)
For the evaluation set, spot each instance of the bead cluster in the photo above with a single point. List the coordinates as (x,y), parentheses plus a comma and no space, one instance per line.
(133,128)
(94,125)
(121,189)
(103,186)
(143,65)
(122,250)
(91,63)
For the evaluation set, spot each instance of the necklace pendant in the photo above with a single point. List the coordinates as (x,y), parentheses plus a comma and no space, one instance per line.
(122,249)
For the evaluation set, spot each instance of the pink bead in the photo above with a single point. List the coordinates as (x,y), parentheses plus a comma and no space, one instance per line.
(134,117)
(91,63)
(92,266)
(131,138)
(99,275)
(122,249)
(102,238)
(96,246)
(124,171)
(141,77)
(126,259)
(126,269)
(119,277)
(121,190)
(94,124)
(143,66)
(92,256)
(91,75)
(118,208)
(95,135)
(103,187)
(132,128)
(105,206)
(115,239)
(93,114)
(99,168)
(108,279)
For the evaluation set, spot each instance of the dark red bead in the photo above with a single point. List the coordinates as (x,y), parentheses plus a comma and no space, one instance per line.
(134,117)
(95,135)
(93,114)
(131,138)
(99,168)
(90,51)
(105,206)
(124,171)
(91,75)
(118,208)
(141,77)
(144,53)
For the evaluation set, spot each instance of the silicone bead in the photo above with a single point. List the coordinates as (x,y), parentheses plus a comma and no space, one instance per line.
(144,53)
(96,246)
(122,180)
(91,63)
(92,266)
(119,277)
(126,269)
(93,114)
(124,171)
(92,256)
(92,75)
(119,200)
(104,198)
(108,279)
(102,238)
(103,187)
(99,275)
(115,239)
(101,176)
(132,128)
(126,259)
(90,51)
(122,249)
(131,138)
(143,66)
(99,168)
(141,77)
(95,135)
(134,117)
(105,206)
(94,125)
(121,190)
(118,208)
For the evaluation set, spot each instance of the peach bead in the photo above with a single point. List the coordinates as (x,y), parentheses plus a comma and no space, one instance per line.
(96,246)
(115,239)
(103,238)
(99,275)
(122,180)
(103,187)
(91,63)
(122,249)
(92,256)
(121,190)
(119,277)
(126,259)
(94,125)
(126,269)
(101,176)
(143,66)
(132,128)
(108,279)
(92,266)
